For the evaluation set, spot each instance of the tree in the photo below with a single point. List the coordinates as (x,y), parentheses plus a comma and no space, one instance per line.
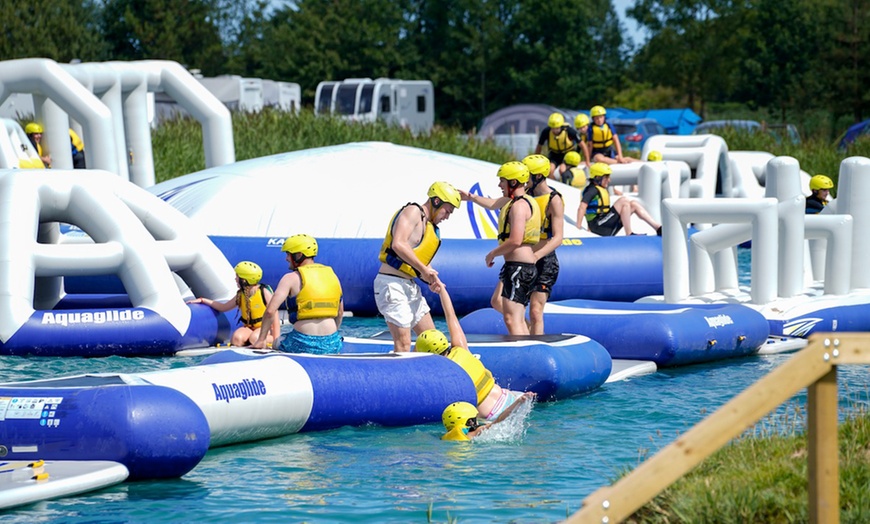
(316,40)
(184,31)
(60,30)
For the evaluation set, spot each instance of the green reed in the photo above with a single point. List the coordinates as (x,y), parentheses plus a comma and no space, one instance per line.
(178,147)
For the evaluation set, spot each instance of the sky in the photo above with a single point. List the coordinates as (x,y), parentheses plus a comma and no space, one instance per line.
(630,25)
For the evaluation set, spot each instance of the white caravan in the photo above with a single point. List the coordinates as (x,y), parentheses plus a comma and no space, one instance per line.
(407,103)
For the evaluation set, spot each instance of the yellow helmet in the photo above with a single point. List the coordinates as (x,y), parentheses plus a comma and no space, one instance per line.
(514,171)
(654,156)
(249,272)
(556,120)
(304,244)
(538,165)
(572,158)
(600,169)
(32,127)
(581,120)
(432,341)
(458,414)
(820,182)
(597,111)
(446,193)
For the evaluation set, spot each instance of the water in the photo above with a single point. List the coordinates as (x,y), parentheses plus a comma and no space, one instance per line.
(538,470)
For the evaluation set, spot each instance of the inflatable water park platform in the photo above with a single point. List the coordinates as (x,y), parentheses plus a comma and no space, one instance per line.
(25,482)
(555,367)
(160,424)
(668,335)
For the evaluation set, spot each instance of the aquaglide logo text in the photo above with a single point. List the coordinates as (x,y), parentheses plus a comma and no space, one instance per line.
(92,317)
(719,321)
(253,387)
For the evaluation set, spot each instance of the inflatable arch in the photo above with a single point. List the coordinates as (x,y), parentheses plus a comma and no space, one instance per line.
(150,247)
(55,93)
(707,158)
(121,89)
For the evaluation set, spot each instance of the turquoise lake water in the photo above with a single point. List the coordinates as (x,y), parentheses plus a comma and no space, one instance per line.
(535,469)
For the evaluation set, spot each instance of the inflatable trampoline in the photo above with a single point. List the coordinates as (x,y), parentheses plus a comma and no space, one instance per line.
(553,366)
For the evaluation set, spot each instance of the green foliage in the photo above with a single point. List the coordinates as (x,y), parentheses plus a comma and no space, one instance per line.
(178,150)
(185,32)
(762,477)
(61,30)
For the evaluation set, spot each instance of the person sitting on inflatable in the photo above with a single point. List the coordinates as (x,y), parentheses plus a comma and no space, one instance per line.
(251,299)
(603,141)
(319,302)
(821,186)
(492,400)
(602,218)
(460,421)
(574,176)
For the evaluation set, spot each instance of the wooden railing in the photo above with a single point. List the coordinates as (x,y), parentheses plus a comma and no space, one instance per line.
(814,368)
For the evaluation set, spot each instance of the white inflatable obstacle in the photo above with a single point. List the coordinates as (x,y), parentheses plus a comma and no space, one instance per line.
(108,102)
(702,268)
(153,249)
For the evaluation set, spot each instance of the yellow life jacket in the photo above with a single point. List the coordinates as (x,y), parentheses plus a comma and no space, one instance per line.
(544,204)
(251,309)
(603,204)
(560,143)
(602,136)
(532,234)
(457,433)
(579,179)
(320,295)
(425,250)
(482,378)
(76,141)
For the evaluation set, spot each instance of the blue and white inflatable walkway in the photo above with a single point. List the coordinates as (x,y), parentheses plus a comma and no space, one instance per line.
(669,335)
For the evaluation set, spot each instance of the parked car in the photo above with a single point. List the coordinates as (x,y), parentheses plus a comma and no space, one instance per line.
(633,132)
(778,131)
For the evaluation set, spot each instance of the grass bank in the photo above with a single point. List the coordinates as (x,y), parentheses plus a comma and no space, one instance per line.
(762,477)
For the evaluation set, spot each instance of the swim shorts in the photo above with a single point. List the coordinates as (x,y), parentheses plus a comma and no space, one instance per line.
(296,342)
(517,279)
(400,300)
(606,225)
(504,401)
(548,272)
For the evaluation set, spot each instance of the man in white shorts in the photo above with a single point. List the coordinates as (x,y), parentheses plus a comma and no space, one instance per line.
(410,244)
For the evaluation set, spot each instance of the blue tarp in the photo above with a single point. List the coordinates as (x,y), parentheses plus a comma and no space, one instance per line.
(532,118)
(854,132)
(675,121)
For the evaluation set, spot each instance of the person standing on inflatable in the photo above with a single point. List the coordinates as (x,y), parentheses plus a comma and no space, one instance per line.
(519,230)
(409,246)
(492,400)
(251,299)
(604,142)
(319,302)
(820,186)
(559,138)
(552,207)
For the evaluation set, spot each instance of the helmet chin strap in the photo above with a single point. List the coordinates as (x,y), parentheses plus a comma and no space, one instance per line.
(536,179)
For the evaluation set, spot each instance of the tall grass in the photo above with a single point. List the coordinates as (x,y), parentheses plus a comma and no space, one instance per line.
(762,477)
(178,147)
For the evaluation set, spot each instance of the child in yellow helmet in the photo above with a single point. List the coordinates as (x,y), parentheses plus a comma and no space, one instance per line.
(251,300)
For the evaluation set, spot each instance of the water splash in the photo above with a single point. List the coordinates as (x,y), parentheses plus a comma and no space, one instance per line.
(510,430)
